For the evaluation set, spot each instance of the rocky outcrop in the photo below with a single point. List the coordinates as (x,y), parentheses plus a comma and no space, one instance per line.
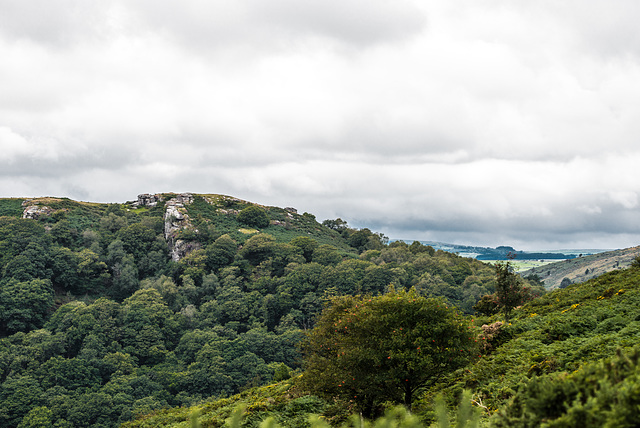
(176,219)
(147,200)
(34,212)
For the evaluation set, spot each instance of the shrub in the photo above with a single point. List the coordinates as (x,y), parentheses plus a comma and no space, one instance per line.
(253,216)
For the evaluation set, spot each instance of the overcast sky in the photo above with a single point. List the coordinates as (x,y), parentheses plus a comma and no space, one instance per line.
(484,122)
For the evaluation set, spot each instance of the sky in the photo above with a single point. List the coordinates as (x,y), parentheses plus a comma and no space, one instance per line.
(477,122)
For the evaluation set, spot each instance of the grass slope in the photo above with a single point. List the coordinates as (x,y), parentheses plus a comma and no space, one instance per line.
(283,401)
(556,334)
(584,268)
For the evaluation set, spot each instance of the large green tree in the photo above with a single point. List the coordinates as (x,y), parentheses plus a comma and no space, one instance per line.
(24,305)
(510,292)
(386,348)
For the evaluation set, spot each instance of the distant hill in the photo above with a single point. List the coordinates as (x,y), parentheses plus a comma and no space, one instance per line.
(503,252)
(581,269)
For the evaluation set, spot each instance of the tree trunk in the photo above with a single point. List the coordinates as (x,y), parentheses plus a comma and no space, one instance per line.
(408,395)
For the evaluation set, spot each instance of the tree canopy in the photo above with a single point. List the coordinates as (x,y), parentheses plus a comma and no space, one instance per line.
(98,323)
(384,348)
(253,216)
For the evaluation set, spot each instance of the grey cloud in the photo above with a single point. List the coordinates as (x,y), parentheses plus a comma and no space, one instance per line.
(357,22)
(565,225)
(59,23)
(46,157)
(605,29)
(221,23)
(610,29)
(280,23)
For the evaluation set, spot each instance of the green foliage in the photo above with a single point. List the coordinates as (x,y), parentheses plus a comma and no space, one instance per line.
(11,207)
(364,239)
(281,373)
(101,326)
(548,337)
(221,252)
(603,394)
(306,244)
(467,415)
(24,305)
(326,255)
(38,417)
(386,348)
(253,216)
(509,292)
(337,224)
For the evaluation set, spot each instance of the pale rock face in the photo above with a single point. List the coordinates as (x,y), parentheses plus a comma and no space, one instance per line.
(147,200)
(34,212)
(180,248)
(176,219)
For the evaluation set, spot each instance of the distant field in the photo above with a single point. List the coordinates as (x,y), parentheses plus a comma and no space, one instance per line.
(522,265)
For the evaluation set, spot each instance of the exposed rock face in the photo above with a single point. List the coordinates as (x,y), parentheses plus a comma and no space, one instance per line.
(147,200)
(175,220)
(36,211)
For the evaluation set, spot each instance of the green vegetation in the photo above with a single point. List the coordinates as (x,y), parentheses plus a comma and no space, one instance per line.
(510,292)
(372,350)
(602,394)
(569,358)
(11,207)
(552,336)
(98,325)
(253,216)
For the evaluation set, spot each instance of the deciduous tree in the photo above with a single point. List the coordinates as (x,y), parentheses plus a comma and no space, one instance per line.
(386,348)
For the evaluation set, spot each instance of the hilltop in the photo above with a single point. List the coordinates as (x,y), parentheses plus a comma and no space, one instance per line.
(111,311)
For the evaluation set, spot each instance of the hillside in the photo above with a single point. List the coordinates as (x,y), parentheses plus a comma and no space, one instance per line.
(110,311)
(583,268)
(570,357)
(173,304)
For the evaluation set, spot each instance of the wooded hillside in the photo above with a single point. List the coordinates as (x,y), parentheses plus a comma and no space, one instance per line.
(110,311)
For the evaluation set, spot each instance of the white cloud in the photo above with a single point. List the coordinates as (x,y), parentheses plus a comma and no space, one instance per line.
(626,199)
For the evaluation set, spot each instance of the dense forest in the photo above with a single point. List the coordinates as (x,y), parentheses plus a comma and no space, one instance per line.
(113,311)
